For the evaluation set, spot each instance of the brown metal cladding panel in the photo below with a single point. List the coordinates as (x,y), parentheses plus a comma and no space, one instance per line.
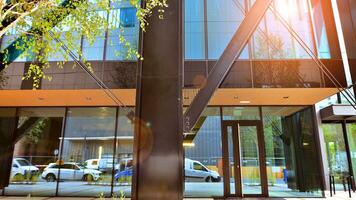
(158,149)
(194,74)
(336,67)
(239,76)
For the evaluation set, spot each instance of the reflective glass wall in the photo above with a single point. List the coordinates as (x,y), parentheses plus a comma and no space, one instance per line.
(351,135)
(210,24)
(203,158)
(84,151)
(336,153)
(37,145)
(291,152)
(292,165)
(87,157)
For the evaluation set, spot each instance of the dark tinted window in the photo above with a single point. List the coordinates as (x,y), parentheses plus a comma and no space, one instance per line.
(68,166)
(23,162)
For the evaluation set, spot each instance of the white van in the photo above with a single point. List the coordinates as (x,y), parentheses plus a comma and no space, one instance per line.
(196,171)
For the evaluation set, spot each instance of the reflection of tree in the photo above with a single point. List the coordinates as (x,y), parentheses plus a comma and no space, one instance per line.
(335,147)
(124,75)
(3,79)
(35,133)
(275,71)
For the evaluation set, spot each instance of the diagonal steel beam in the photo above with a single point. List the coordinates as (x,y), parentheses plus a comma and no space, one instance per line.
(223,65)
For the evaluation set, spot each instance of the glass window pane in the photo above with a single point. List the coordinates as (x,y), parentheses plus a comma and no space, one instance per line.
(224,17)
(351,134)
(89,134)
(36,147)
(292,162)
(124,153)
(194,29)
(250,165)
(336,152)
(204,149)
(241,113)
(123,24)
(232,173)
(95,50)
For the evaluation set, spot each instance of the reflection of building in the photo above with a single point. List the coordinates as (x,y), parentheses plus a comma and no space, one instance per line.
(260,130)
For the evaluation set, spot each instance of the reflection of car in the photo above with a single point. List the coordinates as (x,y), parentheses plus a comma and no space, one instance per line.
(123,164)
(106,163)
(21,167)
(127,173)
(123,170)
(196,171)
(92,164)
(70,171)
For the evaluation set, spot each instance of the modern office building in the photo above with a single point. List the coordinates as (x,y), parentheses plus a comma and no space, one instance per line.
(234,98)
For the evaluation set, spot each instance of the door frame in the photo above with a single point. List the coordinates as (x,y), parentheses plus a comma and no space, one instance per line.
(235,124)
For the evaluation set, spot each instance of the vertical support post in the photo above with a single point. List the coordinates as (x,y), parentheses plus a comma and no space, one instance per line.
(158,145)
(323,159)
(347,13)
(8,125)
(348,152)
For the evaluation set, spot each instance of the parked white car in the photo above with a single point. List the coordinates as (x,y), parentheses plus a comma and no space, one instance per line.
(196,171)
(70,171)
(21,166)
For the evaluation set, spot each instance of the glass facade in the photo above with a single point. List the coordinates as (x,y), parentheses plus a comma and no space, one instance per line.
(37,145)
(336,152)
(72,152)
(290,144)
(210,24)
(88,151)
(289,140)
(203,159)
(351,135)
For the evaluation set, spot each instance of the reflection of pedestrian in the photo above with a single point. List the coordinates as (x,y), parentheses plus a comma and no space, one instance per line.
(71,159)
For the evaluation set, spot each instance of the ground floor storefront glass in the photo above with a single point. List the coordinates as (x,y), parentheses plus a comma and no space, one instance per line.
(336,153)
(351,135)
(72,152)
(285,135)
(235,151)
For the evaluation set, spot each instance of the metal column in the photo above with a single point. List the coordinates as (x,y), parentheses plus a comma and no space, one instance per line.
(158,145)
(348,153)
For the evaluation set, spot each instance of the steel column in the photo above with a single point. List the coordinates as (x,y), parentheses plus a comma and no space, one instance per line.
(158,145)
(348,153)
(223,65)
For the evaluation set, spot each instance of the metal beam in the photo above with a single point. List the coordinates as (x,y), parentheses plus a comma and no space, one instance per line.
(158,145)
(223,65)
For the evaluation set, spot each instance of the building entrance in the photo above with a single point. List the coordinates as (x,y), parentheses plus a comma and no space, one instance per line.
(244,159)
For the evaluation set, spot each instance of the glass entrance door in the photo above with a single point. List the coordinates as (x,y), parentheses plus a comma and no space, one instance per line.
(244,159)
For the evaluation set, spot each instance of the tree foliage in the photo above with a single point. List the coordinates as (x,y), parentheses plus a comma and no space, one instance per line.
(36,25)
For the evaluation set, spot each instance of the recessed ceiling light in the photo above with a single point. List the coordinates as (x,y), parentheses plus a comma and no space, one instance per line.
(188,144)
(245,102)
